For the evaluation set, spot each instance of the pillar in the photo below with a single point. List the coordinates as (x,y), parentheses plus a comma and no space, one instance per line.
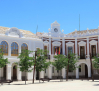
(30,75)
(50,72)
(77,73)
(9,50)
(19,75)
(63,73)
(87,48)
(49,46)
(89,71)
(98,44)
(42,74)
(63,46)
(8,76)
(76,46)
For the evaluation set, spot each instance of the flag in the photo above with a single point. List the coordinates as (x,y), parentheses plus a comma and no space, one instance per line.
(59,51)
(56,51)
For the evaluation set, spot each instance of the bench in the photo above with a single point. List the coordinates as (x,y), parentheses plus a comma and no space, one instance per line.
(6,81)
(45,79)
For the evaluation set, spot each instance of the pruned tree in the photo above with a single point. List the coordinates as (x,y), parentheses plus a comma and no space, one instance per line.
(41,62)
(3,61)
(60,62)
(72,60)
(26,62)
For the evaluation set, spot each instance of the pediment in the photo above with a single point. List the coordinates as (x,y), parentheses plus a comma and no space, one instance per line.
(70,44)
(93,42)
(56,43)
(14,32)
(82,43)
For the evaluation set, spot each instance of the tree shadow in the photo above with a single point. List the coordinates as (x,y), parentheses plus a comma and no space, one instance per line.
(27,83)
(96,85)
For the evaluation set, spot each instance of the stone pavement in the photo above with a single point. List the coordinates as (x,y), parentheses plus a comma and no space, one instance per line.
(53,85)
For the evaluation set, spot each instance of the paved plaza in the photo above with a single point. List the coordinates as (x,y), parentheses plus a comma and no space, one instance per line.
(53,85)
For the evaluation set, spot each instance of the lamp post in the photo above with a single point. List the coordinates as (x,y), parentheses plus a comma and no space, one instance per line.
(34,66)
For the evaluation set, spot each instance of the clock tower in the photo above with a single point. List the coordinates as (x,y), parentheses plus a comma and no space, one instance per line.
(55,30)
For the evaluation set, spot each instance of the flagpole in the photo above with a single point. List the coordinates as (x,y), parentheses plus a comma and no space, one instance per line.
(79,22)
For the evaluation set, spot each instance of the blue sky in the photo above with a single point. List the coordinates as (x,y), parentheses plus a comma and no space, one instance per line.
(27,14)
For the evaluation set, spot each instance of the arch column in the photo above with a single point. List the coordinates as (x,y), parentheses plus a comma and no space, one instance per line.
(77,73)
(89,71)
(50,72)
(30,75)
(8,76)
(42,74)
(19,74)
(63,73)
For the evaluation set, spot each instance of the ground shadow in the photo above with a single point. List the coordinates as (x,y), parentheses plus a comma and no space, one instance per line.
(96,85)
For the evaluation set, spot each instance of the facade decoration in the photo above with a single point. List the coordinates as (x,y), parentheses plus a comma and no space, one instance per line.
(82,43)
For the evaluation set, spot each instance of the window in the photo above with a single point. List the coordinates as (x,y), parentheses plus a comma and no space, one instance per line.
(70,50)
(14,49)
(24,47)
(52,69)
(4,47)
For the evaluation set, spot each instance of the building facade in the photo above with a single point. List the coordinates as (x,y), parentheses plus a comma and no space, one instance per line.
(82,43)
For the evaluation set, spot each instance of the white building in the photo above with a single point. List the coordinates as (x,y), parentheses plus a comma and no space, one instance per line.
(82,43)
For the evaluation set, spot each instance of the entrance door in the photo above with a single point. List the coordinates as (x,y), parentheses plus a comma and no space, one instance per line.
(4,72)
(93,48)
(14,73)
(86,71)
(82,52)
(37,75)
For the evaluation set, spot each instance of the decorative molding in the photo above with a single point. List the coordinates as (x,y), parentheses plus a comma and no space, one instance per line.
(93,42)
(56,43)
(14,32)
(82,43)
(70,44)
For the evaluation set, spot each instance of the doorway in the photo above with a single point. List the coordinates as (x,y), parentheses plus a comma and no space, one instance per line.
(82,52)
(37,74)
(86,71)
(4,72)
(14,73)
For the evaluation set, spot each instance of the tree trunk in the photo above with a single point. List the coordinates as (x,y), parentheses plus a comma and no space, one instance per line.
(60,75)
(39,77)
(25,77)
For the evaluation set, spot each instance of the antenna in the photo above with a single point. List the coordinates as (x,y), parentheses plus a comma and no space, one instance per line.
(36,30)
(79,22)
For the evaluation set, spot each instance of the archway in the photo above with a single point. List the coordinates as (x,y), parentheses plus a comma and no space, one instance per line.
(83,70)
(4,72)
(14,73)
(37,75)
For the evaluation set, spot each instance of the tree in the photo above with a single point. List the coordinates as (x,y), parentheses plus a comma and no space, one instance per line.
(26,62)
(41,63)
(96,62)
(60,62)
(72,60)
(3,61)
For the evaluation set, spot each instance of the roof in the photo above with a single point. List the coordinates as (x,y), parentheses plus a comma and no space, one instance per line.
(24,32)
(83,31)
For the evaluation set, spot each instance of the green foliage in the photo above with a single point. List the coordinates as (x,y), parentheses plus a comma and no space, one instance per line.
(72,61)
(25,62)
(3,61)
(41,63)
(60,62)
(96,62)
